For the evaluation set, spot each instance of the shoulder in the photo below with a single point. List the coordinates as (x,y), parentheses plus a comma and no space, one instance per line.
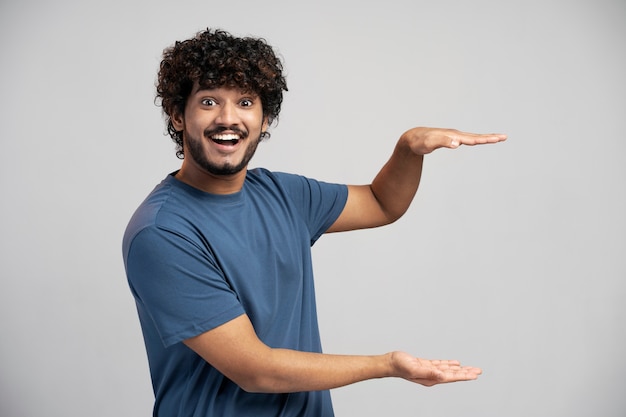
(265,176)
(160,210)
(294,184)
(279,184)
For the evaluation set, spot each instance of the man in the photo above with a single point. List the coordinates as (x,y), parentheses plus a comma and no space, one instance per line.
(218,256)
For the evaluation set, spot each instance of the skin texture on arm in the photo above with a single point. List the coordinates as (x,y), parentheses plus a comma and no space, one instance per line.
(389,195)
(235,350)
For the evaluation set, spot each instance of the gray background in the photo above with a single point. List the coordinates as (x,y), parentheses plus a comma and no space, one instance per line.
(511,257)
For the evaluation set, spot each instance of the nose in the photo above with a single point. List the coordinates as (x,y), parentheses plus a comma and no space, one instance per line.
(228,115)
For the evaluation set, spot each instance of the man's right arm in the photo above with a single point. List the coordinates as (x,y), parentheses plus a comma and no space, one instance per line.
(235,350)
(391,192)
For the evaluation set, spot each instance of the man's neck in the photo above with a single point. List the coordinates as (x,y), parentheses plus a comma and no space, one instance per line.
(211,183)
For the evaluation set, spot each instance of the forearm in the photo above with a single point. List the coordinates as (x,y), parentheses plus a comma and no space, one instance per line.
(283,370)
(397,182)
(236,351)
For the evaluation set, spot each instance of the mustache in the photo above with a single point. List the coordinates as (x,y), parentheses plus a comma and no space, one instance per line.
(208,132)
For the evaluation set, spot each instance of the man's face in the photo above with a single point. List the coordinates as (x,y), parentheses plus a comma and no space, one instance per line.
(221,129)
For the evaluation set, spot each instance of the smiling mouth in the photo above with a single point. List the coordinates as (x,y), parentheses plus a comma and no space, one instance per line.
(226,139)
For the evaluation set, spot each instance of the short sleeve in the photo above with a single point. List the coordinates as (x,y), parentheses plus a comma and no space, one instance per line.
(320,203)
(178,285)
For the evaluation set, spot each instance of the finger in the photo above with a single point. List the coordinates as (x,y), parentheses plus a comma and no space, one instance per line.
(460,375)
(471,139)
(445,378)
(445,362)
(454,369)
(444,371)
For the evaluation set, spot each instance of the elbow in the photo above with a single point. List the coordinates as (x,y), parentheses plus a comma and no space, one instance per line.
(392,216)
(395,217)
(258,380)
(249,383)
(390,208)
(258,384)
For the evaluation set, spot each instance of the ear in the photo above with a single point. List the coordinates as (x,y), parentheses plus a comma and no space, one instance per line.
(178,120)
(265,125)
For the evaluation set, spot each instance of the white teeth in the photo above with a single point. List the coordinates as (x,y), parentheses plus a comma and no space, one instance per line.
(225,137)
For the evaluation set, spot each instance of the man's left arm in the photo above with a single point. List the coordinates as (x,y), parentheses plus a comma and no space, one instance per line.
(388,197)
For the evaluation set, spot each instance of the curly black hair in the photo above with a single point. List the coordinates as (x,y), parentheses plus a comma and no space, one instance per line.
(215,58)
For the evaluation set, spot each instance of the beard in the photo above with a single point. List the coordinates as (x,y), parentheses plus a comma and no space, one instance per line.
(196,152)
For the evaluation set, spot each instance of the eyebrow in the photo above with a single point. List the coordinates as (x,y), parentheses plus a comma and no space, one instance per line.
(202,90)
(199,89)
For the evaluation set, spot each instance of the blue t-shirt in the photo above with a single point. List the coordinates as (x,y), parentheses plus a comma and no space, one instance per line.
(196,260)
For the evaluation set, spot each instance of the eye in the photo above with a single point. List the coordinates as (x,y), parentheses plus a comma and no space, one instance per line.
(246,102)
(208,102)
